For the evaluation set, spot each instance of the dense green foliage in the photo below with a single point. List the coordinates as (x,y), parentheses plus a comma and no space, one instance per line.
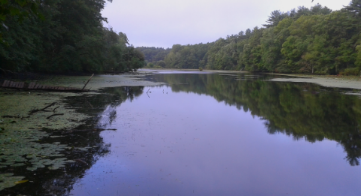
(315,40)
(154,56)
(186,57)
(303,111)
(68,37)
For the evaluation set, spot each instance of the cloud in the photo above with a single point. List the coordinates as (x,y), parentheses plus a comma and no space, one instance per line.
(164,23)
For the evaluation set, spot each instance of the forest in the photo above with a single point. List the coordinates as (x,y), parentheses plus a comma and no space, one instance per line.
(154,56)
(62,36)
(66,36)
(304,40)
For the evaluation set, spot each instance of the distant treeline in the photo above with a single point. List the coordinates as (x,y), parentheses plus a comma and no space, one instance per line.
(154,56)
(62,36)
(316,40)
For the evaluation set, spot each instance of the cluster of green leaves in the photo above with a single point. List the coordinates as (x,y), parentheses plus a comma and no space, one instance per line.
(315,40)
(68,38)
(154,57)
(20,8)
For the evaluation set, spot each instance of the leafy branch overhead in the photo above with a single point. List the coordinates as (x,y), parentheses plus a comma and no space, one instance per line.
(19,8)
(62,36)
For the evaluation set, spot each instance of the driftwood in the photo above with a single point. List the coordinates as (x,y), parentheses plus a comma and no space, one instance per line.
(87,82)
(54,115)
(42,110)
(55,108)
(31,112)
(18,116)
(35,86)
(8,116)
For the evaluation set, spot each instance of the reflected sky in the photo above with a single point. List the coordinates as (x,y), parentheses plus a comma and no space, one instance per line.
(177,143)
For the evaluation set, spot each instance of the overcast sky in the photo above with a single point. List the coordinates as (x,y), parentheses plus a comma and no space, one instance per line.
(162,23)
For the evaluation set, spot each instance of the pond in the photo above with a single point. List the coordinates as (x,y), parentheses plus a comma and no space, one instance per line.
(212,134)
(218,134)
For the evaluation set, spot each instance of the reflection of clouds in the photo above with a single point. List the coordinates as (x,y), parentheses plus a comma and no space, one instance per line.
(189,144)
(107,117)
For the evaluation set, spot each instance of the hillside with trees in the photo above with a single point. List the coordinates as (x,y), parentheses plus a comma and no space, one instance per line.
(66,36)
(316,40)
(153,56)
(62,36)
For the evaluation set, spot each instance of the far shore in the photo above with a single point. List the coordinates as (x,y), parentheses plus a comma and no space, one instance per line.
(195,70)
(332,81)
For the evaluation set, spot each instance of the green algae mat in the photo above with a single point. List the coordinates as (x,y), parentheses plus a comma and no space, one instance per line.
(29,119)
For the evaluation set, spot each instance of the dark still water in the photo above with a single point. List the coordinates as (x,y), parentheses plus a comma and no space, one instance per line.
(211,134)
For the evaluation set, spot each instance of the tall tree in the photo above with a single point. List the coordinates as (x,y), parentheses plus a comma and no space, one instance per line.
(275,17)
(354,7)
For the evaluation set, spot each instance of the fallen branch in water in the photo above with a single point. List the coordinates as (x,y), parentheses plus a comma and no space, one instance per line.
(89,104)
(42,110)
(55,108)
(87,82)
(48,106)
(81,161)
(7,116)
(54,115)
(21,117)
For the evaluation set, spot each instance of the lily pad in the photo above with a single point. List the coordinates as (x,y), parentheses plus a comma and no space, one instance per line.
(7,180)
(20,147)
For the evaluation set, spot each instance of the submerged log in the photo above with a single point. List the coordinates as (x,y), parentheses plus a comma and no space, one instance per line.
(35,86)
(31,85)
(6,83)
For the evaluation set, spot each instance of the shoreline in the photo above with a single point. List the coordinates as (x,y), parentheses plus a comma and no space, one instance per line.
(17,103)
(330,81)
(152,70)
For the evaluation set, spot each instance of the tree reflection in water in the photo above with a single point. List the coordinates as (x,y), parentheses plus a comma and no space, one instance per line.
(303,111)
(85,142)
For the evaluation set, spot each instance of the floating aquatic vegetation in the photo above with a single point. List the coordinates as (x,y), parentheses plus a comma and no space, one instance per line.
(19,148)
(22,145)
(8,180)
(16,111)
(100,81)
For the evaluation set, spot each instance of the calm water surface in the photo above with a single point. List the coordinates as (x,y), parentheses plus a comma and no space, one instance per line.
(213,134)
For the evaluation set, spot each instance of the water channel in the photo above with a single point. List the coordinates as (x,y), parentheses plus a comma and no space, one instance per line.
(222,134)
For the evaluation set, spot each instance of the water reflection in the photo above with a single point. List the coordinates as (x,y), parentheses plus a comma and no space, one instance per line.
(223,135)
(303,111)
(86,145)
